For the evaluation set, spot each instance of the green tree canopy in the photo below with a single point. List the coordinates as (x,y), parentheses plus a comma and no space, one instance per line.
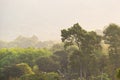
(88,44)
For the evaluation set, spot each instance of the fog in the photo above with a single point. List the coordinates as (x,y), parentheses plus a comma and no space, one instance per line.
(45,18)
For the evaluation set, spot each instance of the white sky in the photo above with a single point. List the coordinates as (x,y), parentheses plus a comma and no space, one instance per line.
(45,18)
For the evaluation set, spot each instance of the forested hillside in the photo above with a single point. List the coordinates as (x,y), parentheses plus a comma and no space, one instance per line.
(25,42)
(82,55)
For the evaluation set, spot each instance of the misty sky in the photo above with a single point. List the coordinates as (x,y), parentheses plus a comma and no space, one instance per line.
(45,18)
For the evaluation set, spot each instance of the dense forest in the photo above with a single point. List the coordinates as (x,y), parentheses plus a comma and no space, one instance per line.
(82,55)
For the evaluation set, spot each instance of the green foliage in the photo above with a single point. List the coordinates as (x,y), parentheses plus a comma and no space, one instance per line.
(57,47)
(32,77)
(41,76)
(73,35)
(16,71)
(88,43)
(62,58)
(112,38)
(75,61)
(25,68)
(118,73)
(47,64)
(52,76)
(103,76)
(18,55)
(83,55)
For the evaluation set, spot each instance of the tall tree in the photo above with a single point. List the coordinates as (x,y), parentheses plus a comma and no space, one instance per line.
(87,43)
(112,38)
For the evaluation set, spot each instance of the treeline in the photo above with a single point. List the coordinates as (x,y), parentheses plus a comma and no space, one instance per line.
(18,63)
(25,42)
(83,55)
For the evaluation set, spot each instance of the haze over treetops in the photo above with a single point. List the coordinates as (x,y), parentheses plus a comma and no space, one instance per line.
(45,18)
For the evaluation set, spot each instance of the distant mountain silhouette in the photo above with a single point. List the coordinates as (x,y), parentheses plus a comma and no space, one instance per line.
(25,42)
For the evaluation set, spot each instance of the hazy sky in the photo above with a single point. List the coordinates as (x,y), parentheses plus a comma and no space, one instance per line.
(45,18)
